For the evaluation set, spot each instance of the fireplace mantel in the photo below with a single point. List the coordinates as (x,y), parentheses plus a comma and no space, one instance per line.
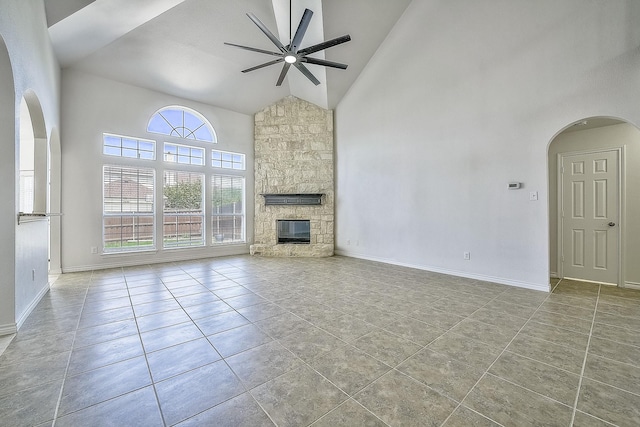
(293,199)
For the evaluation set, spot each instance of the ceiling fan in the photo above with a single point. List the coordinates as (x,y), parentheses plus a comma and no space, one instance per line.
(291,54)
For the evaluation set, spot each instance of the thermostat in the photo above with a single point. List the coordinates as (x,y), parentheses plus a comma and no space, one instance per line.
(514,185)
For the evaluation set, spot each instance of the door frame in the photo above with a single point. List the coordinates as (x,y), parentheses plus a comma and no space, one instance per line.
(621,176)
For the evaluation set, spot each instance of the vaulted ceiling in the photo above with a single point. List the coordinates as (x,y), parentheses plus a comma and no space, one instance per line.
(177,46)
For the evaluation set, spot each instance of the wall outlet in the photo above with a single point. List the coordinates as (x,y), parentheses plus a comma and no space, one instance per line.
(94,249)
(466,255)
(533,196)
(33,275)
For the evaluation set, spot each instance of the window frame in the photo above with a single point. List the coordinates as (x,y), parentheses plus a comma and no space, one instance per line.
(159,166)
(243,214)
(166,213)
(243,164)
(137,149)
(129,214)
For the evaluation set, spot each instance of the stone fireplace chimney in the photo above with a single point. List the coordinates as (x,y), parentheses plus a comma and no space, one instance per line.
(294,158)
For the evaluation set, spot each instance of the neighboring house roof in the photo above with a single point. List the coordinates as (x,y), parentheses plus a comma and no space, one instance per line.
(127,189)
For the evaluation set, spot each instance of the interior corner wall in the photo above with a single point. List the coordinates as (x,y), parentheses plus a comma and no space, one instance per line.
(462,98)
(34,70)
(623,135)
(92,106)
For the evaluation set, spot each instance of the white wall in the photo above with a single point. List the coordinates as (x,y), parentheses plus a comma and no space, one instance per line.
(36,71)
(462,98)
(623,135)
(93,105)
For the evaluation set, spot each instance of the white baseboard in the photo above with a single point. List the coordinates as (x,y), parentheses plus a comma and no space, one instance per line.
(25,314)
(8,329)
(493,279)
(126,260)
(632,285)
(554,275)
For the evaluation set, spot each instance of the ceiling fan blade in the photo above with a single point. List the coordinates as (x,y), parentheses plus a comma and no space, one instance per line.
(266,64)
(266,32)
(302,28)
(324,45)
(324,62)
(283,73)
(304,70)
(254,49)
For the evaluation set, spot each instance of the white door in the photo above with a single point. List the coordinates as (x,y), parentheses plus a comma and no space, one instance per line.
(590,229)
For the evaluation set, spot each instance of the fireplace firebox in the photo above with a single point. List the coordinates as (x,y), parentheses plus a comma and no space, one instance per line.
(294,231)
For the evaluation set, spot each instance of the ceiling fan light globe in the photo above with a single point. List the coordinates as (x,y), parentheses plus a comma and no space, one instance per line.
(290,59)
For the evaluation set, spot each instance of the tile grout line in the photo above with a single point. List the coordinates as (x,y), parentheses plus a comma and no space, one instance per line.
(222,358)
(584,361)
(498,357)
(144,351)
(66,370)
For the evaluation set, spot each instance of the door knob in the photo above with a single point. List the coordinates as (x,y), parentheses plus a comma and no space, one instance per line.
(611,224)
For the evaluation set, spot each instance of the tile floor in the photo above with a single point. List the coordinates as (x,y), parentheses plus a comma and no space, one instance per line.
(248,341)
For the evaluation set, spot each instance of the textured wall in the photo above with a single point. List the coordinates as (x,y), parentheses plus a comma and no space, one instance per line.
(294,154)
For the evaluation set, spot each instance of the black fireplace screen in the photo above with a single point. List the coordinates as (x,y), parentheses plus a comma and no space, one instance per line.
(294,231)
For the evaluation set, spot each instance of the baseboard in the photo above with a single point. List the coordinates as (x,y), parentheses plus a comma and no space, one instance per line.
(554,275)
(168,256)
(25,314)
(8,329)
(632,285)
(493,279)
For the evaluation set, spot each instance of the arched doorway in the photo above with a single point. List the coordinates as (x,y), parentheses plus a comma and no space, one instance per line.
(8,209)
(32,231)
(594,168)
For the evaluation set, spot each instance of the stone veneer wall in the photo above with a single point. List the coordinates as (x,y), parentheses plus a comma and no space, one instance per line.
(294,154)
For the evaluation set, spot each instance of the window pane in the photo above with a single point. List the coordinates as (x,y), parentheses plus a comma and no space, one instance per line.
(126,233)
(127,208)
(129,143)
(184,151)
(112,140)
(128,189)
(204,134)
(227,222)
(128,147)
(126,152)
(226,160)
(181,123)
(159,125)
(146,146)
(183,209)
(112,151)
(146,155)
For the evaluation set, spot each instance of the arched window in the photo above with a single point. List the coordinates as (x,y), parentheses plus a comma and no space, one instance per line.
(182,123)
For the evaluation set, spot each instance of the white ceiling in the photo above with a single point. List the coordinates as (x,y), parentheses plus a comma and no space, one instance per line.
(176,46)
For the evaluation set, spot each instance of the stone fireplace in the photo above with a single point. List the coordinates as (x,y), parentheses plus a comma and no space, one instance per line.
(294,178)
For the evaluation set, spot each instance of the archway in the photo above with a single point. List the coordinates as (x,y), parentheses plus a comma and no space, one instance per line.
(34,150)
(53,203)
(595,136)
(8,209)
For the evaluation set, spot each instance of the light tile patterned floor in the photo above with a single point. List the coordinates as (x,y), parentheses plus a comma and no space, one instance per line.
(248,341)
